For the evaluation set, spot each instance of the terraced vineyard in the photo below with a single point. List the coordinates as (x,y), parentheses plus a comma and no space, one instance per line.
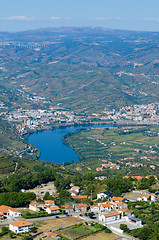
(94,146)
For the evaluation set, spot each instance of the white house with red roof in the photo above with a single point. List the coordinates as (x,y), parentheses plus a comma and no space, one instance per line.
(110,217)
(21,226)
(105,207)
(76,189)
(54,209)
(49,203)
(146,198)
(9,211)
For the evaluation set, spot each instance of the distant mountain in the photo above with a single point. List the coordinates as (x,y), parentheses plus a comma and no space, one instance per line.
(84,69)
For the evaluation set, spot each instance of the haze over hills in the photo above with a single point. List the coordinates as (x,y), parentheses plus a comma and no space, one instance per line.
(85,69)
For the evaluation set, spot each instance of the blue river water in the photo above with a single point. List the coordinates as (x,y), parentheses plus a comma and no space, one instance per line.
(50,144)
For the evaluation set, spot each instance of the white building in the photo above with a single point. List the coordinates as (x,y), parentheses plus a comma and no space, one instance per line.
(105,206)
(21,226)
(136,221)
(9,211)
(146,198)
(110,217)
(103,195)
(54,209)
(94,208)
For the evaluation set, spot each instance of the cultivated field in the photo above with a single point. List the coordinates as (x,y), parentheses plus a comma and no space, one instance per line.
(61,222)
(102,236)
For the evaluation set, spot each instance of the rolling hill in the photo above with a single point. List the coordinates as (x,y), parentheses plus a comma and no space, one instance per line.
(84,69)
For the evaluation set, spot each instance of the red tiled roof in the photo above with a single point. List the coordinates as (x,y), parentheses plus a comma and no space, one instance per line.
(120,199)
(51,234)
(21,223)
(54,208)
(137,177)
(5,209)
(105,205)
(81,197)
(112,214)
(81,205)
(50,201)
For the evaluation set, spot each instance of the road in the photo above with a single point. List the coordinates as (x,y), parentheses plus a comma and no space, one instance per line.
(10,219)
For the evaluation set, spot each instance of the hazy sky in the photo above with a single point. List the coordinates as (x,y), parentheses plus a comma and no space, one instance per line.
(19,15)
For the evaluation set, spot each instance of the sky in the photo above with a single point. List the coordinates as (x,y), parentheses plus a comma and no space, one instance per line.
(21,15)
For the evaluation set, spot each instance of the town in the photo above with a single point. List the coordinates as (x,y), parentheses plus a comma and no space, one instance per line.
(113,213)
(42,119)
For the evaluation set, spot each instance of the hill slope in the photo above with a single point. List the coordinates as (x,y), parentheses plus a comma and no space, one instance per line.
(84,69)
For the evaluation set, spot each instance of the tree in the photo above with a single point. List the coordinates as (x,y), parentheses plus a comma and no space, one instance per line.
(125,228)
(91,214)
(64,196)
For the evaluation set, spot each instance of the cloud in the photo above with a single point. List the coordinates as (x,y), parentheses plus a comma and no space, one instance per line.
(55,18)
(100,18)
(21,18)
(67,18)
(152,19)
(110,19)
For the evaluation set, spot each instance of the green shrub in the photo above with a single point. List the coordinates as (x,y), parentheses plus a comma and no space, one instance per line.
(124,228)
(107,230)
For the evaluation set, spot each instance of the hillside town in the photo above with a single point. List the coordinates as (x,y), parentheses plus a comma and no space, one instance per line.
(106,209)
(145,114)
(43,119)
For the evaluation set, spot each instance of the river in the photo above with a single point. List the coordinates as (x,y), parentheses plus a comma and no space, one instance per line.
(50,144)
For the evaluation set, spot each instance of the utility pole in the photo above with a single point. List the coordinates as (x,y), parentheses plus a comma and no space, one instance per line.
(91,195)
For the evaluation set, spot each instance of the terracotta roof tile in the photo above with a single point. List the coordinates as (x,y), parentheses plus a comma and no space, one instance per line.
(112,214)
(5,209)
(54,208)
(21,223)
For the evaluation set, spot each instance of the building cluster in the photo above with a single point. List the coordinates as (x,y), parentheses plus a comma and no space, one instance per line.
(109,209)
(38,119)
(135,165)
(146,113)
(108,165)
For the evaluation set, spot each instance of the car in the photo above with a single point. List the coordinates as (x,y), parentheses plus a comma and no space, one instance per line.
(57,217)
(67,215)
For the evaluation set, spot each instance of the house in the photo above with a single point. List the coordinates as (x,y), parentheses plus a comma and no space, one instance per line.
(126,211)
(40,197)
(135,220)
(49,202)
(81,197)
(110,217)
(80,207)
(72,192)
(151,176)
(54,209)
(9,211)
(35,206)
(52,235)
(121,205)
(105,207)
(146,198)
(94,208)
(99,169)
(68,208)
(118,199)
(137,177)
(103,195)
(76,189)
(21,226)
